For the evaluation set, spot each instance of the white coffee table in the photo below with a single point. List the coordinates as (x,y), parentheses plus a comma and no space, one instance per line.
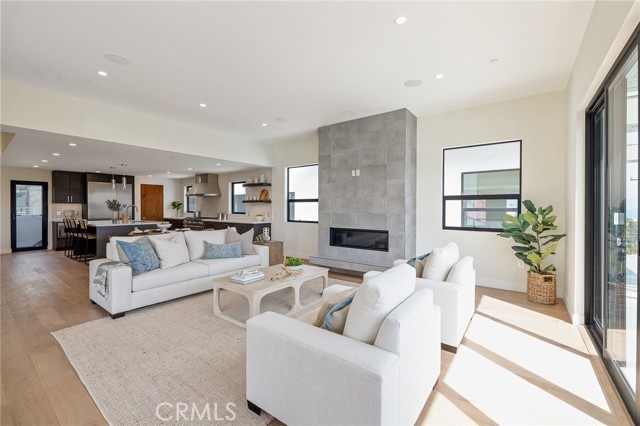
(255,291)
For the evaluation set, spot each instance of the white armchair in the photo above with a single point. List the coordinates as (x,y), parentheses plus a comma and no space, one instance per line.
(302,374)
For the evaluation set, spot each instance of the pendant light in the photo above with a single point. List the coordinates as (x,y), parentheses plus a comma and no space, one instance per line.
(124,182)
(113,179)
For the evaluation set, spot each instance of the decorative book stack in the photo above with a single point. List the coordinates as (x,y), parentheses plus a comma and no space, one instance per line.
(247,276)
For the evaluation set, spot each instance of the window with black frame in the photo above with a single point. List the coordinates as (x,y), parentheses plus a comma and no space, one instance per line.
(238,195)
(481,184)
(302,194)
(190,200)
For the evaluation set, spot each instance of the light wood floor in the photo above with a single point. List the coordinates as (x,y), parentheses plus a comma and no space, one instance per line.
(512,349)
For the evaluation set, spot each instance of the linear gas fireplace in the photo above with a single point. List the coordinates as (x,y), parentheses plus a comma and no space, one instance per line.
(365,239)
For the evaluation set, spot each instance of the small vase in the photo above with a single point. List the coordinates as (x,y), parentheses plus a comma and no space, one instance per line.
(114,216)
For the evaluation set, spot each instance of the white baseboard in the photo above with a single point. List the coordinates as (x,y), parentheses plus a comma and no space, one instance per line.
(5,251)
(502,285)
(576,319)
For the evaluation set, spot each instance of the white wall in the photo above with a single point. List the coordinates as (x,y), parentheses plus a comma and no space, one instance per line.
(211,206)
(610,26)
(172,191)
(7,174)
(300,239)
(539,121)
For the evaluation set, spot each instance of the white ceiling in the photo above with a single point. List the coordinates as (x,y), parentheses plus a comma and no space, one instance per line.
(308,62)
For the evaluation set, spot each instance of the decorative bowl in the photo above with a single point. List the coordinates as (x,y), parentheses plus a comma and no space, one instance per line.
(164,226)
(294,268)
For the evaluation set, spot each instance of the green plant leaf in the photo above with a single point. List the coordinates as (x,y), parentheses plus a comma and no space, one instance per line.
(535,258)
(553,238)
(529,205)
(522,248)
(531,238)
(549,251)
(531,218)
(549,268)
(509,218)
(520,239)
(549,220)
(504,235)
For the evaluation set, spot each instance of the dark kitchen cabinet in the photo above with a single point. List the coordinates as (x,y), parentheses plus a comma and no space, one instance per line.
(69,187)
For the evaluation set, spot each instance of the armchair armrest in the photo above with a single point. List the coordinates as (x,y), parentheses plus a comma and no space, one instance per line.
(120,282)
(263,251)
(294,370)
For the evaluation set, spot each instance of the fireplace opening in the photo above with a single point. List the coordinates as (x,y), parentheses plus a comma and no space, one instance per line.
(365,239)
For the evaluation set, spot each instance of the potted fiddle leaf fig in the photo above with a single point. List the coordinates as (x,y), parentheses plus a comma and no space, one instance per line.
(533,232)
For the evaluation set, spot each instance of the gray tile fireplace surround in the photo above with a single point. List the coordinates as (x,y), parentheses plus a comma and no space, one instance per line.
(381,149)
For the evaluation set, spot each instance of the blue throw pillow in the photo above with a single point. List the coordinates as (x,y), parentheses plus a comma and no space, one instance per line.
(412,261)
(221,251)
(328,318)
(141,255)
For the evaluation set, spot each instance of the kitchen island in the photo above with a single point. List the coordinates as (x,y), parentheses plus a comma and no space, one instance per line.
(241,226)
(103,229)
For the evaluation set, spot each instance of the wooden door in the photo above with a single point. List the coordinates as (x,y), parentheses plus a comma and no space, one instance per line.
(152,200)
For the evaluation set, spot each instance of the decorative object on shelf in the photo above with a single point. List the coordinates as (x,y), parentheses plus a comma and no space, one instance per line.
(293,264)
(263,179)
(176,205)
(267,233)
(264,195)
(534,248)
(260,217)
(116,207)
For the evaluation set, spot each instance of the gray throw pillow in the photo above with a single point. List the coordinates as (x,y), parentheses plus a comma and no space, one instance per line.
(246,239)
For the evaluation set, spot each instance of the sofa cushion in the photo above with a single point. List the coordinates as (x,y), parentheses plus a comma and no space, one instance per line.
(114,252)
(196,239)
(141,255)
(419,265)
(162,277)
(222,251)
(223,266)
(171,251)
(332,314)
(375,299)
(440,262)
(246,239)
(462,271)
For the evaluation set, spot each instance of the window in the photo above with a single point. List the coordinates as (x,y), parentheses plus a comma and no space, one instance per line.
(302,190)
(238,195)
(481,184)
(191,200)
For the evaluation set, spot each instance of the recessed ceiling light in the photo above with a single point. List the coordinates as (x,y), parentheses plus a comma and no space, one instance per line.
(56,154)
(218,164)
(73,144)
(401,20)
(168,173)
(98,171)
(413,83)
(264,124)
(36,166)
(280,119)
(189,169)
(349,112)
(45,161)
(203,105)
(102,73)
(438,76)
(117,58)
(150,175)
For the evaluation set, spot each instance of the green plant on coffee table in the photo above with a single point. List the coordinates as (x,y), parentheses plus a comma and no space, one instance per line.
(115,205)
(293,261)
(530,230)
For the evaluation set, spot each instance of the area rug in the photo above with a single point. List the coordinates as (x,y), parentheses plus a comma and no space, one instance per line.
(172,363)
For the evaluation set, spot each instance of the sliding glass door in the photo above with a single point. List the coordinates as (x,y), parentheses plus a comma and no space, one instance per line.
(611,261)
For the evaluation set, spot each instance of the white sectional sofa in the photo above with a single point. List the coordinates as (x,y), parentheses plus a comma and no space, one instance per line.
(381,370)
(127,292)
(454,291)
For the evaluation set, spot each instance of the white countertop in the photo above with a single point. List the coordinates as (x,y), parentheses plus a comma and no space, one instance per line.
(102,223)
(248,222)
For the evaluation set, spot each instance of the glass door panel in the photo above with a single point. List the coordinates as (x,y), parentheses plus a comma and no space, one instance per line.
(622,220)
(29,214)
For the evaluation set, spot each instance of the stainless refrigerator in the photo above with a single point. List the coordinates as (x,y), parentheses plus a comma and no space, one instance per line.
(99,192)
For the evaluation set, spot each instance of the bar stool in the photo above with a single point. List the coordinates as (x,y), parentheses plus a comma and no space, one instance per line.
(69,228)
(84,238)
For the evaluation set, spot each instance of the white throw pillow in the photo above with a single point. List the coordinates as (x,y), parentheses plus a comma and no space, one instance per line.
(196,239)
(440,261)
(246,239)
(462,271)
(172,252)
(375,299)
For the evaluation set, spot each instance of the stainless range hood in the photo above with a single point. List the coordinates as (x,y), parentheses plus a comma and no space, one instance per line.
(206,186)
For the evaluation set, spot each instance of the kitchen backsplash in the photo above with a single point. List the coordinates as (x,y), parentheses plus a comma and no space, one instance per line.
(56,211)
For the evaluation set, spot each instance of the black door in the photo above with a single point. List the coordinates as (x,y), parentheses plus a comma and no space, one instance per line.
(29,213)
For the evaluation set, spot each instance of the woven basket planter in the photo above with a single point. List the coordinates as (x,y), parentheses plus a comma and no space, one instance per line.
(541,288)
